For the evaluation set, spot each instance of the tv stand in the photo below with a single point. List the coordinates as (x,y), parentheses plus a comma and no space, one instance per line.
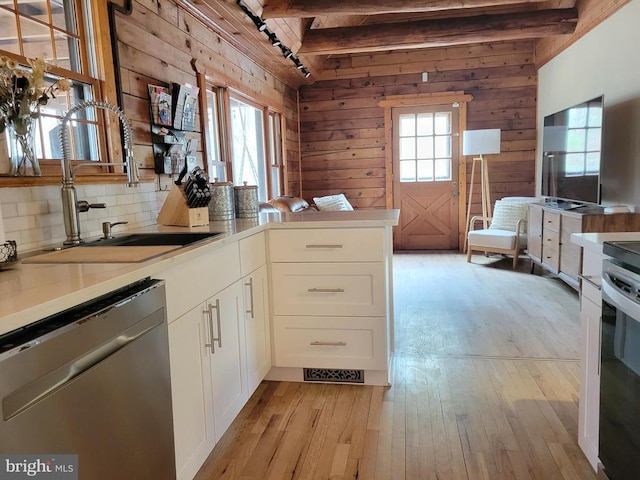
(549,234)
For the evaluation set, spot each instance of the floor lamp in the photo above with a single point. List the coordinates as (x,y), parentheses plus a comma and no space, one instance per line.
(480,142)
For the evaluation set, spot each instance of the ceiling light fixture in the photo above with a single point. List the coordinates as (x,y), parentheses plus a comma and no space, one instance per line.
(273,39)
(261,25)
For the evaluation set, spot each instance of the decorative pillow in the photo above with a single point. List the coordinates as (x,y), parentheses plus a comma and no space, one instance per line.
(333,203)
(507,214)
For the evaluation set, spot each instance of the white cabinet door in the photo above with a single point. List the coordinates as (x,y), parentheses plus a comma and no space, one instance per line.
(190,392)
(226,348)
(589,410)
(257,331)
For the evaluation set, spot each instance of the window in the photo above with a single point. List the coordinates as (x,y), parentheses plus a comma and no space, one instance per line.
(425,153)
(584,138)
(247,146)
(60,32)
(256,148)
(275,154)
(214,134)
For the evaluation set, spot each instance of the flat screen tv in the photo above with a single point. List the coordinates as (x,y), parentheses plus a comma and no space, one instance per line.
(571,153)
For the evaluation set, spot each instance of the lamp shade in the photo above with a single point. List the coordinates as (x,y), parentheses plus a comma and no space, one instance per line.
(554,138)
(478,142)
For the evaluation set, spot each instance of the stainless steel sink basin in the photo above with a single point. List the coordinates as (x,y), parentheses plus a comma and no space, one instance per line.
(181,239)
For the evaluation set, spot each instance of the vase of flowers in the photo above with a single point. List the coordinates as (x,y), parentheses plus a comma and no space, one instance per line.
(22,93)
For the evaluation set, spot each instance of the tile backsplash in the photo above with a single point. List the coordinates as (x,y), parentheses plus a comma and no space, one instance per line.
(32,216)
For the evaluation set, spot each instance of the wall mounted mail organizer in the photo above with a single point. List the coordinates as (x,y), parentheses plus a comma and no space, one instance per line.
(173,111)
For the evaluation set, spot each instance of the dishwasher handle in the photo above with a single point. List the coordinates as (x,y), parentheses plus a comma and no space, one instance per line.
(25,396)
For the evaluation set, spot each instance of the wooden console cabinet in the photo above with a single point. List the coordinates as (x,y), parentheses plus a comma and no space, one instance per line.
(549,235)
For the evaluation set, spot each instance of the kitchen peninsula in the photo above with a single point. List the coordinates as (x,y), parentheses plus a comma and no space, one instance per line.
(328,316)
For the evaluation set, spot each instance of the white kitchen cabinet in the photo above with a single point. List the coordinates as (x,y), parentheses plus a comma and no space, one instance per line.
(190,391)
(204,300)
(330,292)
(257,330)
(590,319)
(253,259)
(226,350)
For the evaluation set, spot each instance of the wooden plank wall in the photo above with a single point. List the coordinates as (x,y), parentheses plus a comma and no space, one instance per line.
(342,126)
(156,44)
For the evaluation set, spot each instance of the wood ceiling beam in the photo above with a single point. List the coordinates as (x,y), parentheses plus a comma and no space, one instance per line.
(440,33)
(318,8)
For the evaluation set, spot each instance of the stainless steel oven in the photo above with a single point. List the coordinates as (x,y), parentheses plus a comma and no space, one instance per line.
(619,437)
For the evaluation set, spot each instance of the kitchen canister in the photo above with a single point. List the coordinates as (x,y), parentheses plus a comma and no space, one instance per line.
(221,205)
(246,197)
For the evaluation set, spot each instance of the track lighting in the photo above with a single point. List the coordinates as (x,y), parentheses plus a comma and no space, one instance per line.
(261,25)
(273,39)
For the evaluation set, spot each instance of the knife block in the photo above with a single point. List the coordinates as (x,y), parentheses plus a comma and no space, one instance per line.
(175,211)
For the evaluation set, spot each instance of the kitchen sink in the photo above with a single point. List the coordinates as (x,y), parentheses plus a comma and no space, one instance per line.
(181,239)
(140,247)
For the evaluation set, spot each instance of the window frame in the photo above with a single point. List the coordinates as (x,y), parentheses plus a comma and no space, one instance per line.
(270,138)
(104,88)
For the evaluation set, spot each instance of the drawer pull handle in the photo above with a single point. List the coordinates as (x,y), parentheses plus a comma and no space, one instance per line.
(250,285)
(209,312)
(588,279)
(325,290)
(330,344)
(329,245)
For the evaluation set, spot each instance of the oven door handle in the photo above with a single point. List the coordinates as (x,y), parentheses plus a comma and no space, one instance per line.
(619,300)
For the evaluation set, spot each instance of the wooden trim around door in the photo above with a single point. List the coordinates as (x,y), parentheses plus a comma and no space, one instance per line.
(417,100)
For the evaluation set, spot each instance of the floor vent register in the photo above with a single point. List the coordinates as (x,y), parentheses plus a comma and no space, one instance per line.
(333,375)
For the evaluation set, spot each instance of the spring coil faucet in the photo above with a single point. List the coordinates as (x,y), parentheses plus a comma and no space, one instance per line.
(70,204)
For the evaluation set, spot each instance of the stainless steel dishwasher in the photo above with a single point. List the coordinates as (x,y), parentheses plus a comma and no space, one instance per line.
(93,381)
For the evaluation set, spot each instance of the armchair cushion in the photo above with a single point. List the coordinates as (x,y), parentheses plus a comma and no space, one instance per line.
(492,238)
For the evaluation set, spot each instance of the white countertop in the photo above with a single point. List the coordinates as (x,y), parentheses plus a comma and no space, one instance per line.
(30,292)
(594,241)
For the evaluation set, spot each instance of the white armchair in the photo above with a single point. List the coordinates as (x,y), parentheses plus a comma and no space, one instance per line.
(507,231)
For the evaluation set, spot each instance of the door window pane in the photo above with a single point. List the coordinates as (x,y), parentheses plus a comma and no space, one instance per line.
(425,170)
(407,125)
(443,169)
(407,148)
(443,146)
(407,171)
(425,147)
(425,124)
(443,123)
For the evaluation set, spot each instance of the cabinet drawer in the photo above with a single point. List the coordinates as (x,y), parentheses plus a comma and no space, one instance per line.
(327,245)
(590,288)
(253,253)
(551,220)
(550,239)
(551,257)
(328,289)
(337,342)
(191,283)
(592,264)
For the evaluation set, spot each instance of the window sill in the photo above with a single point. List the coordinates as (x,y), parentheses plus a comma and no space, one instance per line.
(51,179)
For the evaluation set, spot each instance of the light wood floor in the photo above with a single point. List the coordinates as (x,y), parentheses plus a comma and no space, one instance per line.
(486,387)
